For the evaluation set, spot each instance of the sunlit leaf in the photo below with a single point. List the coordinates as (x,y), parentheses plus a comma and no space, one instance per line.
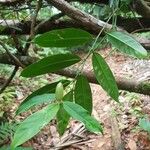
(127,44)
(33,124)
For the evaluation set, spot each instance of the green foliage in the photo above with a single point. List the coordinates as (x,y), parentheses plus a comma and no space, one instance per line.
(63,38)
(126,44)
(36,100)
(104,76)
(33,124)
(17,148)
(43,95)
(6,100)
(79,113)
(62,116)
(145,124)
(6,131)
(63,107)
(83,94)
(50,64)
(59,93)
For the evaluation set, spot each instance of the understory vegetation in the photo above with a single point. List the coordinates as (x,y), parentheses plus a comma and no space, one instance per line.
(51,54)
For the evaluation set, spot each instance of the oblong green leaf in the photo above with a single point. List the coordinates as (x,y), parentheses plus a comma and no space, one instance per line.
(50,64)
(17,148)
(62,116)
(63,38)
(42,95)
(34,101)
(83,94)
(33,124)
(127,44)
(79,113)
(104,76)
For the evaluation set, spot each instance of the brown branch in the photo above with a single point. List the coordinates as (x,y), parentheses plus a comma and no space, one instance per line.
(123,84)
(34,17)
(33,23)
(85,19)
(9,79)
(15,59)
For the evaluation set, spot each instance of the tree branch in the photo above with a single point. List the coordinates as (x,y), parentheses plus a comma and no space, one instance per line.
(85,19)
(123,83)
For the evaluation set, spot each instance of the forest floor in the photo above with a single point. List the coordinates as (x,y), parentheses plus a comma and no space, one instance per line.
(120,120)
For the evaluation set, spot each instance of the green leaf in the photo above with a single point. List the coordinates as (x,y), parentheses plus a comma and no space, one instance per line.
(36,100)
(145,124)
(79,113)
(33,124)
(62,116)
(50,64)
(42,95)
(83,94)
(17,148)
(68,37)
(127,44)
(59,92)
(104,76)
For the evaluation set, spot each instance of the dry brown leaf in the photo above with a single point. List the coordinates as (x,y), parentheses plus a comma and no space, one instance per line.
(132,145)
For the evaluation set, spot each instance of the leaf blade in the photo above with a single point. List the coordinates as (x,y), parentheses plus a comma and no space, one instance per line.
(104,76)
(50,64)
(127,44)
(33,124)
(34,98)
(62,116)
(63,38)
(83,94)
(79,113)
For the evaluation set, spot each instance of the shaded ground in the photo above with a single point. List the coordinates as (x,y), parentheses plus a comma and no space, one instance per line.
(131,108)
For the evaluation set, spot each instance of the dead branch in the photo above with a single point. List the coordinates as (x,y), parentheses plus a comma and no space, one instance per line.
(131,85)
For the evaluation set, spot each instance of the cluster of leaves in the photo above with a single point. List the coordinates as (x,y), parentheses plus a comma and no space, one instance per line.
(77,103)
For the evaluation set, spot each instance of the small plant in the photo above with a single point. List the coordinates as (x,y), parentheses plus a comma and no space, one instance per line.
(6,101)
(77,102)
(144,124)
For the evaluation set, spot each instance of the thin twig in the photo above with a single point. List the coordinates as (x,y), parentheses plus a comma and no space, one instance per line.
(33,24)
(9,79)
(15,59)
(53,18)
(33,18)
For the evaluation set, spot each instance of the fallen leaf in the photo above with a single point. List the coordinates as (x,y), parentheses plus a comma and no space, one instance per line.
(132,145)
